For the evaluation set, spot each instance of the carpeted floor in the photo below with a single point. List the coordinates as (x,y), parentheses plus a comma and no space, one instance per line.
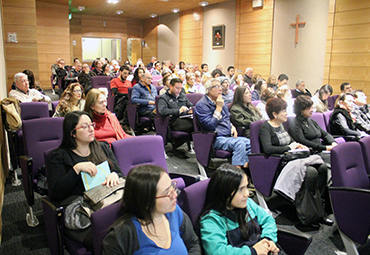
(18,238)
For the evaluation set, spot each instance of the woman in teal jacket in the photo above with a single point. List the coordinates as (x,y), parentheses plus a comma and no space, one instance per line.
(230,222)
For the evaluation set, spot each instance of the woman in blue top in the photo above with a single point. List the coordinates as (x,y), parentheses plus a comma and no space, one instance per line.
(230,223)
(152,222)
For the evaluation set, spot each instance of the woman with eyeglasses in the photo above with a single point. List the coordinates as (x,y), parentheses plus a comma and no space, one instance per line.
(78,152)
(151,222)
(108,128)
(71,100)
(232,223)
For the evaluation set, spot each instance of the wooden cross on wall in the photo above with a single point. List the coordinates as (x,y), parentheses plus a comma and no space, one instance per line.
(297,24)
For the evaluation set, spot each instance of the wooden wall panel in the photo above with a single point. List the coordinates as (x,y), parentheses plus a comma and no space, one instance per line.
(191,36)
(348,48)
(253,40)
(19,16)
(150,36)
(52,38)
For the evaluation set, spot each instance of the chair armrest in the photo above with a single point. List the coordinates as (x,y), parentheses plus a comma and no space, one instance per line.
(161,126)
(188,178)
(54,225)
(293,242)
(26,164)
(132,115)
(203,145)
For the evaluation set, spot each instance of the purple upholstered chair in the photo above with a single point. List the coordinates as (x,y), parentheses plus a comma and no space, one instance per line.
(39,135)
(194,197)
(101,221)
(320,120)
(255,103)
(331,102)
(350,194)
(194,97)
(365,146)
(162,127)
(262,167)
(54,105)
(203,146)
(159,88)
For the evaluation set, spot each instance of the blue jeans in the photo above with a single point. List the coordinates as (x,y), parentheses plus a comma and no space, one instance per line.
(240,147)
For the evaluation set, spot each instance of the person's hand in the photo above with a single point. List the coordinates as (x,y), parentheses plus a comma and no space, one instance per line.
(329,147)
(35,99)
(87,167)
(219,102)
(262,247)
(151,102)
(111,180)
(234,133)
(273,248)
(190,111)
(293,145)
(183,109)
(301,146)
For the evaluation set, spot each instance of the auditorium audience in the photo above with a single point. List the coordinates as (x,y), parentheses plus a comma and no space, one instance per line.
(238,77)
(84,78)
(138,73)
(165,83)
(341,121)
(265,96)
(271,82)
(78,152)
(320,99)
(360,111)
(107,127)
(151,63)
(345,87)
(300,89)
(120,85)
(23,93)
(247,78)
(276,140)
(227,93)
(98,70)
(285,93)
(32,81)
(198,83)
(230,75)
(73,74)
(213,115)
(282,80)
(151,222)
(232,223)
(190,82)
(305,130)
(71,100)
(157,68)
(242,111)
(217,73)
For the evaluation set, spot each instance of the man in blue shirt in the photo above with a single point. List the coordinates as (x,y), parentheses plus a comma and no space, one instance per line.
(213,115)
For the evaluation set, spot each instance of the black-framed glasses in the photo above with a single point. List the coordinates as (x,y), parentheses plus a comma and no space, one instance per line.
(173,190)
(85,126)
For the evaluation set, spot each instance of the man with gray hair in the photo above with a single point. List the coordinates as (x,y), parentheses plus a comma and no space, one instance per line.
(213,115)
(23,92)
(247,78)
(300,89)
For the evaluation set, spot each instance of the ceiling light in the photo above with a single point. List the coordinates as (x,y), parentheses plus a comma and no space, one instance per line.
(113,1)
(153,15)
(203,3)
(175,10)
(81,8)
(119,12)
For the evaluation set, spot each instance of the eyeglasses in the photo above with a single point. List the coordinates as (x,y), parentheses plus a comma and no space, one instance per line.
(173,190)
(77,91)
(85,126)
(216,86)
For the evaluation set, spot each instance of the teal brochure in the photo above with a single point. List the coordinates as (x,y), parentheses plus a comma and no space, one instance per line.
(102,173)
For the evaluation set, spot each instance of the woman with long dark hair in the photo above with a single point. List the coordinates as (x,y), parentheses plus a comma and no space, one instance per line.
(71,100)
(230,222)
(151,222)
(137,75)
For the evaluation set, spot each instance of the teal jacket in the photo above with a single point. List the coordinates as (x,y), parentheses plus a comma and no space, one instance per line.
(214,226)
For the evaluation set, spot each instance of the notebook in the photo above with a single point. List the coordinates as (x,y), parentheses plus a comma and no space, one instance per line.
(102,173)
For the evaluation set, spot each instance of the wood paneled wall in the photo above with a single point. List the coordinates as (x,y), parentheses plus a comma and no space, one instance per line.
(93,26)
(150,36)
(19,16)
(52,38)
(191,36)
(253,36)
(348,45)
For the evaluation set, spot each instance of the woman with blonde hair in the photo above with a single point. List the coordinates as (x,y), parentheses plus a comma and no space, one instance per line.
(238,78)
(108,128)
(71,100)
(285,93)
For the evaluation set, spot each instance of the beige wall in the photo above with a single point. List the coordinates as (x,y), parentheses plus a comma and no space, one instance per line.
(168,37)
(305,60)
(3,88)
(219,14)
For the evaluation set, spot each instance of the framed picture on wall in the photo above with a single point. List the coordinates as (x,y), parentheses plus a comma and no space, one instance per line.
(218,36)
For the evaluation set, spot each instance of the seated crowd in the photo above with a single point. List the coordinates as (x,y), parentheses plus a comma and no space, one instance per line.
(150,218)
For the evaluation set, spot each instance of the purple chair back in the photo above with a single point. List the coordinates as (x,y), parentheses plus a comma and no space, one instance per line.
(129,92)
(365,146)
(319,118)
(194,197)
(33,110)
(40,135)
(100,82)
(54,105)
(327,119)
(194,97)
(101,221)
(159,88)
(331,101)
(139,150)
(348,167)
(255,103)
(255,134)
